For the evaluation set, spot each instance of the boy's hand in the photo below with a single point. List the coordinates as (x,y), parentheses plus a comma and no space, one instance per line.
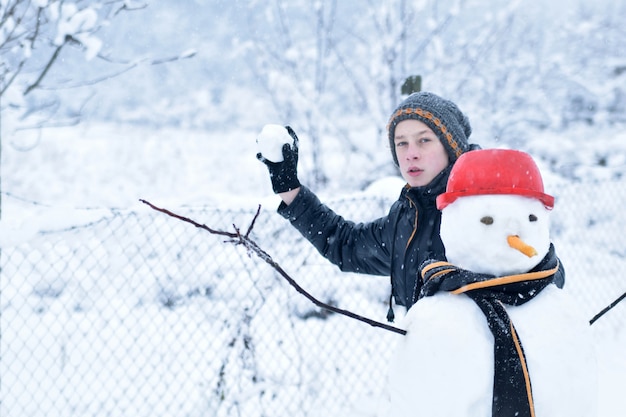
(284,174)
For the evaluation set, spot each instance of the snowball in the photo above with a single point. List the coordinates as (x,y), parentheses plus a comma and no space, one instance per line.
(271,140)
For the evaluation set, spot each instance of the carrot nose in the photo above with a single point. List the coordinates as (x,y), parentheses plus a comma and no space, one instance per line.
(516,243)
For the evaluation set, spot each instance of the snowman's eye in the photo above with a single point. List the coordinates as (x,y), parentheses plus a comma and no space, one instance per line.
(532,218)
(487,220)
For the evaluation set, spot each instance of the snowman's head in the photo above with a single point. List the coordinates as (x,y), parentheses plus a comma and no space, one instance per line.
(495,214)
(496,234)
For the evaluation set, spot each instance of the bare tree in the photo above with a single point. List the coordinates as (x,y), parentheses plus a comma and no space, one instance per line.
(335,70)
(32,36)
(295,71)
(328,69)
(35,37)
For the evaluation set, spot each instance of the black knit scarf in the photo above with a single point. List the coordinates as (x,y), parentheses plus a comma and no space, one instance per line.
(512,392)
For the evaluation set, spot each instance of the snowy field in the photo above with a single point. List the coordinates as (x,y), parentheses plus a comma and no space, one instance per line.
(121,344)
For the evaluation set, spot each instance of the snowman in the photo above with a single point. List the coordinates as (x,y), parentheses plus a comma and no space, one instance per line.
(492,332)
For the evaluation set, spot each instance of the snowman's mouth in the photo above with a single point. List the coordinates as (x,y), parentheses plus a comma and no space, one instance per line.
(515,242)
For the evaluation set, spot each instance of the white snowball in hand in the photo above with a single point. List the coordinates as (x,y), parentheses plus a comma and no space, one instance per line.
(271,140)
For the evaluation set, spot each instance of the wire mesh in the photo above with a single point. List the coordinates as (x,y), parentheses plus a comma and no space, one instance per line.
(136,313)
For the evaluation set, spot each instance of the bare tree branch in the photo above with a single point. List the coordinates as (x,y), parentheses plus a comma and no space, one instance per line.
(238,239)
(607,308)
(130,65)
(54,57)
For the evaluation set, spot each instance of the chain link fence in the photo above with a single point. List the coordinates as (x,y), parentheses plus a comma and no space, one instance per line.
(135,313)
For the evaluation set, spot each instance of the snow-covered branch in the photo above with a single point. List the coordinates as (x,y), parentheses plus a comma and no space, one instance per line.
(37,37)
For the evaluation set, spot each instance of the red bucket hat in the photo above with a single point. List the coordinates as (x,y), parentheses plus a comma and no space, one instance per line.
(494,171)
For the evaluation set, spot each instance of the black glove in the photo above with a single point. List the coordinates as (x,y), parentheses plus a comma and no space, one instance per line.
(284,174)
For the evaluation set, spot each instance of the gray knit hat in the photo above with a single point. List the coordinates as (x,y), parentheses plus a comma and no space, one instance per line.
(442,116)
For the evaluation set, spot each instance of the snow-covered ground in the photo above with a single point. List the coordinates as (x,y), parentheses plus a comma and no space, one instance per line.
(105,342)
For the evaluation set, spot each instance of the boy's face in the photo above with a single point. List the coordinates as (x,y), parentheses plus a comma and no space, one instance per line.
(421,155)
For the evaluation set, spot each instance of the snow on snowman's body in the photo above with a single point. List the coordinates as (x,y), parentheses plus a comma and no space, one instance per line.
(559,354)
(444,365)
(271,140)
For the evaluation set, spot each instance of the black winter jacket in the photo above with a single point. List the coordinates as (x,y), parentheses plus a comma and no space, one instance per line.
(394,245)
